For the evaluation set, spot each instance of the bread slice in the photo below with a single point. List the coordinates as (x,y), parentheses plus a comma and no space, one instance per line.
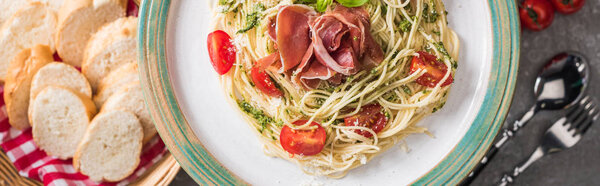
(111,148)
(18,83)
(8,8)
(60,118)
(54,5)
(62,75)
(31,25)
(115,80)
(78,20)
(115,44)
(130,98)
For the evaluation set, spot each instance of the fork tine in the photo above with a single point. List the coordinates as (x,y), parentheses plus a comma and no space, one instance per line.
(593,114)
(575,114)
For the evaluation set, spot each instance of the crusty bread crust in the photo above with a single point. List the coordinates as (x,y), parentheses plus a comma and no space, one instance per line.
(113,131)
(53,110)
(130,98)
(33,24)
(112,46)
(18,83)
(78,20)
(114,81)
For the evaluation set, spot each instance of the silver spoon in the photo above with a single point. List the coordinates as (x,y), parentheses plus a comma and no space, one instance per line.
(559,85)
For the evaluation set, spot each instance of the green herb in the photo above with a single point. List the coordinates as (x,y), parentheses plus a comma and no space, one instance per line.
(252,20)
(352,3)
(430,15)
(306,2)
(322,5)
(405,25)
(373,71)
(426,91)
(273,137)
(436,33)
(406,89)
(257,114)
(338,121)
(434,110)
(383,11)
(440,47)
(387,114)
(319,101)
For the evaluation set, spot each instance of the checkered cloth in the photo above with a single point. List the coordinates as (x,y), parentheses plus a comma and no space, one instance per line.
(34,163)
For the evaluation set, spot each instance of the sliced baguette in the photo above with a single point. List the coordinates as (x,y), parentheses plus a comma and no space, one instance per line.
(78,20)
(53,4)
(61,75)
(111,47)
(18,83)
(130,98)
(111,148)
(60,118)
(8,8)
(115,80)
(33,24)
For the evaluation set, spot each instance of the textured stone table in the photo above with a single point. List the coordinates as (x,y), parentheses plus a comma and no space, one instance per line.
(579,165)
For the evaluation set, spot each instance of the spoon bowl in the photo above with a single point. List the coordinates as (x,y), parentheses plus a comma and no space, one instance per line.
(562,81)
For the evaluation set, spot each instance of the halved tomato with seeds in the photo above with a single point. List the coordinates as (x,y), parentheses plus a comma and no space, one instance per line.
(435,70)
(303,142)
(370,116)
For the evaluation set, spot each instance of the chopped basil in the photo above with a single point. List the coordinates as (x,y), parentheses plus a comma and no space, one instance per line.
(406,89)
(405,25)
(430,15)
(252,20)
(257,114)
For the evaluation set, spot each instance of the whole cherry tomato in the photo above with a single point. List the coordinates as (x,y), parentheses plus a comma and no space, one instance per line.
(568,6)
(536,15)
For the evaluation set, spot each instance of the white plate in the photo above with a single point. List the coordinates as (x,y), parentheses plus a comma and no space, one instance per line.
(223,133)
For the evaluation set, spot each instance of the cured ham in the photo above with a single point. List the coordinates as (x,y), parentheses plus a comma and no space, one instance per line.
(316,47)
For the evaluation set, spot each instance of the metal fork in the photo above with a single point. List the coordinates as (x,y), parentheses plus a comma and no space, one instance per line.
(563,134)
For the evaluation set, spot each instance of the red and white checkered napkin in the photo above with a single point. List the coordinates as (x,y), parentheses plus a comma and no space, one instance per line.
(32,162)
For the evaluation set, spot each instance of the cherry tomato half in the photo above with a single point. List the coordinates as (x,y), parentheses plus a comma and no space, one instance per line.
(264,83)
(568,6)
(303,142)
(221,51)
(435,70)
(536,15)
(370,116)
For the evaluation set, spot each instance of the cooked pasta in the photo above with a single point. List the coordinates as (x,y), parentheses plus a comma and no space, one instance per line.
(403,29)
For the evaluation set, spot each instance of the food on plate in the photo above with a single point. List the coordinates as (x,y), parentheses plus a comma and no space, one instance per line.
(329,85)
(59,118)
(78,19)
(111,147)
(115,80)
(18,83)
(568,6)
(112,46)
(31,25)
(131,98)
(536,15)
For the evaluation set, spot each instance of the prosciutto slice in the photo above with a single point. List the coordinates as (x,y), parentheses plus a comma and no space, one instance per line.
(327,47)
(293,34)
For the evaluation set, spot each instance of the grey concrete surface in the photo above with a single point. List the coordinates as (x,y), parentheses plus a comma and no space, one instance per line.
(579,165)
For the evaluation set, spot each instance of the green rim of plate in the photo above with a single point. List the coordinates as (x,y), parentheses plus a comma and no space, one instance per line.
(206,170)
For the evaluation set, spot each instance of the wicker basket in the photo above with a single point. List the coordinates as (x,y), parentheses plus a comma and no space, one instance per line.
(161,173)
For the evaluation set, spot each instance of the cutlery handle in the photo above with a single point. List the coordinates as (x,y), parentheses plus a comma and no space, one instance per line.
(507,133)
(490,154)
(508,178)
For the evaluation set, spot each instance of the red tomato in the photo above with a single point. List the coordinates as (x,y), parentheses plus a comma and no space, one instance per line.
(435,70)
(568,6)
(370,116)
(263,82)
(303,142)
(536,14)
(221,51)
